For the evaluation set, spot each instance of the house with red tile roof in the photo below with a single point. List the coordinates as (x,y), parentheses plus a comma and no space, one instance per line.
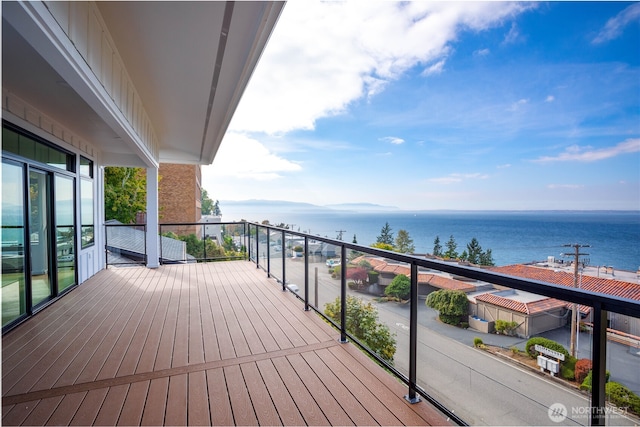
(609,286)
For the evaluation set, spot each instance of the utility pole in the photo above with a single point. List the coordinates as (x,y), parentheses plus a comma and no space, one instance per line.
(574,310)
(339,237)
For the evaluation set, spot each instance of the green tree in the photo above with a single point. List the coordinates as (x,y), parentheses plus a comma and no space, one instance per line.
(125,193)
(216,208)
(362,323)
(206,203)
(386,236)
(486,258)
(453,306)
(404,243)
(400,287)
(354,241)
(451,248)
(437,248)
(474,250)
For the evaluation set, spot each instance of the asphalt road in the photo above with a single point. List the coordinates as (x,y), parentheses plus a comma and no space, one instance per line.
(482,389)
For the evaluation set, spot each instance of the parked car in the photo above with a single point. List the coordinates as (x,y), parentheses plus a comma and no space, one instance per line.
(333,262)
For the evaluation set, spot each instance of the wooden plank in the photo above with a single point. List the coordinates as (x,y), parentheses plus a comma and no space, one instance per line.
(340,393)
(282,400)
(325,400)
(131,414)
(243,412)
(112,406)
(240,345)
(155,407)
(89,408)
(195,334)
(307,405)
(260,398)
(378,410)
(14,415)
(165,348)
(42,411)
(181,340)
(65,412)
(219,403)
(222,332)
(198,400)
(209,338)
(176,412)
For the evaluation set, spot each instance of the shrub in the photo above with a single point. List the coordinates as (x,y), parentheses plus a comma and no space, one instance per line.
(358,275)
(586,384)
(365,264)
(567,368)
(337,271)
(544,342)
(477,342)
(505,327)
(464,325)
(514,350)
(453,306)
(622,397)
(400,287)
(362,323)
(298,249)
(583,366)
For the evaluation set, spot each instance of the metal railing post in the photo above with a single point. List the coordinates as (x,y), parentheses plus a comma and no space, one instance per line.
(106,245)
(160,238)
(306,274)
(343,295)
(599,370)
(243,241)
(412,397)
(146,256)
(268,252)
(257,247)
(284,268)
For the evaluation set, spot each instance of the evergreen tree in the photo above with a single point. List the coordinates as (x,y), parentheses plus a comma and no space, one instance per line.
(474,251)
(216,208)
(437,248)
(486,258)
(354,241)
(404,243)
(451,246)
(386,236)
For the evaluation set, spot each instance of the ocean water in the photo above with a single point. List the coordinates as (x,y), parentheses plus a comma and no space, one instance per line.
(513,237)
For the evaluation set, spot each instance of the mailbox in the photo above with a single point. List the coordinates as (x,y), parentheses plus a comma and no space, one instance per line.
(553,366)
(542,362)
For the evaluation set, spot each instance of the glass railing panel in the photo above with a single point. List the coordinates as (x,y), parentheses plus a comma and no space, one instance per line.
(276,253)
(234,240)
(324,278)
(125,244)
(295,263)
(263,243)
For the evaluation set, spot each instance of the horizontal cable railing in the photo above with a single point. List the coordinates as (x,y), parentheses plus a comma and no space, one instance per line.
(202,241)
(289,256)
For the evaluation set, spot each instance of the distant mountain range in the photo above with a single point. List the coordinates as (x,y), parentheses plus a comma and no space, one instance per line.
(281,205)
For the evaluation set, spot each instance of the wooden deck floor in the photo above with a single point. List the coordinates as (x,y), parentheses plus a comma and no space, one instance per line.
(196,344)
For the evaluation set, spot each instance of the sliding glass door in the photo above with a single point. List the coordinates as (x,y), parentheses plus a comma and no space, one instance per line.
(40,236)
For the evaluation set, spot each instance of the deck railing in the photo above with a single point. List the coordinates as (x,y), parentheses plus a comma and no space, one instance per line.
(431,369)
(289,256)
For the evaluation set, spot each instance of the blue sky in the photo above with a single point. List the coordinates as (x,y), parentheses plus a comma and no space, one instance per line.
(426,105)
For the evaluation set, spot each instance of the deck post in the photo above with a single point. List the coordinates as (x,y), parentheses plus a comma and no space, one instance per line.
(343,295)
(413,397)
(306,273)
(599,351)
(284,267)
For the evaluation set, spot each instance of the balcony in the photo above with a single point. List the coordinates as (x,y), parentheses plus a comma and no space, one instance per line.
(226,342)
(196,344)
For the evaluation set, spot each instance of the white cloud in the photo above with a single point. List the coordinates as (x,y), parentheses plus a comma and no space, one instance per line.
(518,104)
(505,166)
(393,140)
(615,26)
(513,35)
(324,55)
(481,52)
(550,98)
(575,153)
(436,68)
(243,157)
(564,186)
(458,177)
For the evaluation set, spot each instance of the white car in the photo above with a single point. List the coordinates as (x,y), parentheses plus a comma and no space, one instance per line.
(333,262)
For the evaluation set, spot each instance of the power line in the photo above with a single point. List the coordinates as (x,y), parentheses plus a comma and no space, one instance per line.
(339,237)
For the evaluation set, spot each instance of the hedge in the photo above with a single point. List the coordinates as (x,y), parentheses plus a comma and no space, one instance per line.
(544,342)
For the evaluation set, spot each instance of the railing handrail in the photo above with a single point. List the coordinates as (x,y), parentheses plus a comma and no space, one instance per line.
(565,293)
(600,302)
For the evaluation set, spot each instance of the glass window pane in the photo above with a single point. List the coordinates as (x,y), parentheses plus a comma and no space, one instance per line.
(86,212)
(86,167)
(65,246)
(14,302)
